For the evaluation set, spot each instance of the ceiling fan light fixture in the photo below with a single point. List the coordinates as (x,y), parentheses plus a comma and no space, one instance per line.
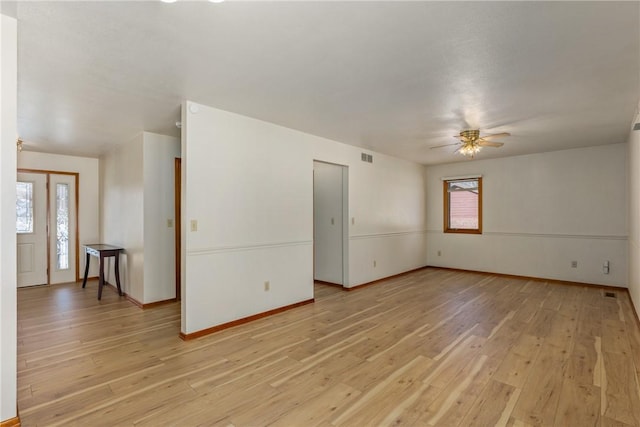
(471,142)
(470,148)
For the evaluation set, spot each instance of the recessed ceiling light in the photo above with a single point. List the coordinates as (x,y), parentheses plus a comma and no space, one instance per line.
(216,1)
(168,1)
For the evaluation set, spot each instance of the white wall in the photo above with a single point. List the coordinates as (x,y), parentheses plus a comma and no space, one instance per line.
(540,212)
(634,215)
(159,154)
(122,211)
(249,185)
(328,222)
(137,201)
(8,164)
(89,190)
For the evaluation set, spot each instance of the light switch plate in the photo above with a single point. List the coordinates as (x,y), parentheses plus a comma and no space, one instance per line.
(194,225)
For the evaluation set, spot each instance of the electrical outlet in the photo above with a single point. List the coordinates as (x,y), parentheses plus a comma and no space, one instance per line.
(169,223)
(267,286)
(439,253)
(194,225)
(574,264)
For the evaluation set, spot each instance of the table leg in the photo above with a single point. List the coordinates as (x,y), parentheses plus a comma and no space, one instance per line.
(86,270)
(118,273)
(101,281)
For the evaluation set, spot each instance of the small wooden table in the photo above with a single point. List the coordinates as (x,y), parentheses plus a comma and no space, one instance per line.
(101,252)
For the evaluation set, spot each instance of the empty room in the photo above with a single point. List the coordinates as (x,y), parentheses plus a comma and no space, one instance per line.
(320,213)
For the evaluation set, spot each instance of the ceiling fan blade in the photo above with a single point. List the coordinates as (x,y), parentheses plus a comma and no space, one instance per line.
(445,145)
(482,143)
(496,135)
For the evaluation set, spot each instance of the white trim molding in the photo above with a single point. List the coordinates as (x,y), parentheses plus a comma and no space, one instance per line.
(547,235)
(384,235)
(242,248)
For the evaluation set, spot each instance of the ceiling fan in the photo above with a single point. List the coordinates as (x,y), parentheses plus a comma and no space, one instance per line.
(471,142)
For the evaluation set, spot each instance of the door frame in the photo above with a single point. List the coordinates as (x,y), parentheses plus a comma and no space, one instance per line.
(177,201)
(77,202)
(345,219)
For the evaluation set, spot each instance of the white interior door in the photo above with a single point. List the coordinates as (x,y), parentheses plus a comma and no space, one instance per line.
(31,228)
(62,226)
(328,222)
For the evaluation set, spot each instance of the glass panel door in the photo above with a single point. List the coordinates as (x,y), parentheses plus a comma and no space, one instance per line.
(31,229)
(62,226)
(62,252)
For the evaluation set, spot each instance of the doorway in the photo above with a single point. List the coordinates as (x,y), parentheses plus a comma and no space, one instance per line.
(330,223)
(46,227)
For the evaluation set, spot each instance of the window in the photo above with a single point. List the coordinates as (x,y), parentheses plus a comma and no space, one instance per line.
(463,206)
(24,207)
(62,226)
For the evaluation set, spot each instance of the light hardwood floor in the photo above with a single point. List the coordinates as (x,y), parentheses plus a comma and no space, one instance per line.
(434,347)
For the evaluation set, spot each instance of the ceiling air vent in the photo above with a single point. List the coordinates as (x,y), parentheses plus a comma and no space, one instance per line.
(636,126)
(367,158)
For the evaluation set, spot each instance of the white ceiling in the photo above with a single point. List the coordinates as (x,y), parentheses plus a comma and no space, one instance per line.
(395,77)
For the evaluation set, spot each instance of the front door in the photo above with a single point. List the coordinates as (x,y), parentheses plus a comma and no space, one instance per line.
(31,227)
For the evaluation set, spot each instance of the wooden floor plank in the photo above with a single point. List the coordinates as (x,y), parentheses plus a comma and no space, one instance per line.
(620,394)
(375,404)
(458,397)
(579,405)
(585,365)
(322,409)
(538,401)
(493,407)
(518,362)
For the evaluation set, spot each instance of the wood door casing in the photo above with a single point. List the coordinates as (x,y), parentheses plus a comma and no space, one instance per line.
(76,176)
